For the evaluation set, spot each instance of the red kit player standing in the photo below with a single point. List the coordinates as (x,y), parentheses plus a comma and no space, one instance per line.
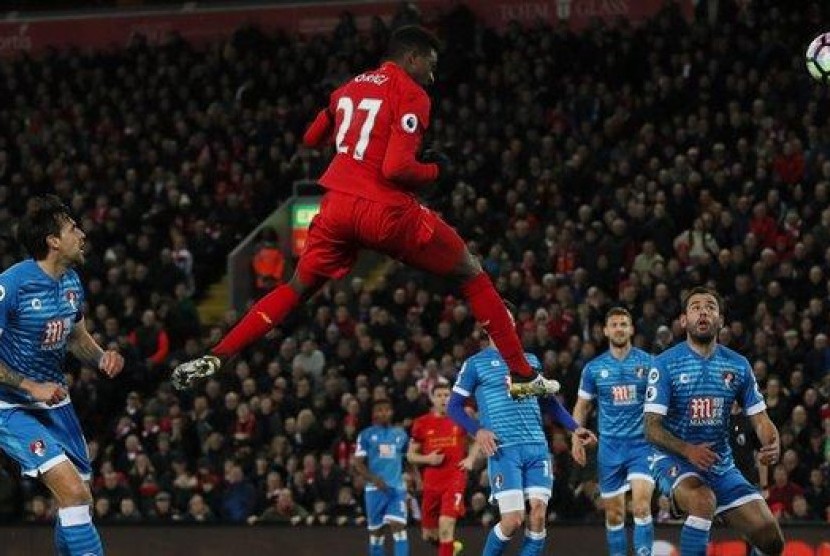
(440,445)
(377,120)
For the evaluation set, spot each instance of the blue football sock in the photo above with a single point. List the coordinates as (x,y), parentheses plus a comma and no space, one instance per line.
(617,539)
(376,545)
(694,537)
(496,542)
(534,543)
(78,533)
(643,536)
(401,543)
(61,548)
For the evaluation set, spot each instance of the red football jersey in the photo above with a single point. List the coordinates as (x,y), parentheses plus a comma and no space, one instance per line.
(377,119)
(439,433)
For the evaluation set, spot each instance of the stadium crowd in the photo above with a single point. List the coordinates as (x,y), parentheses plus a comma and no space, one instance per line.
(618,166)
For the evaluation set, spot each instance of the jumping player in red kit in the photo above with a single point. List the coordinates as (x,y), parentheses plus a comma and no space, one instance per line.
(377,120)
(440,445)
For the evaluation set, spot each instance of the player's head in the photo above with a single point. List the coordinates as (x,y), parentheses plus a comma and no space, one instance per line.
(382,412)
(619,327)
(440,396)
(701,316)
(48,230)
(416,50)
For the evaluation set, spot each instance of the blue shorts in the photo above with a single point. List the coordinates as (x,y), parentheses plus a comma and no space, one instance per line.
(521,471)
(730,487)
(619,460)
(383,507)
(40,439)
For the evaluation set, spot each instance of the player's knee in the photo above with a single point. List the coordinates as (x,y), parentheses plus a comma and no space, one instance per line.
(76,494)
(641,510)
(770,541)
(510,523)
(701,503)
(538,513)
(467,267)
(446,532)
(613,517)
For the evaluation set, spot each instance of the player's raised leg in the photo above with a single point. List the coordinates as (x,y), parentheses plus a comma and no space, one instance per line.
(440,250)
(326,255)
(755,522)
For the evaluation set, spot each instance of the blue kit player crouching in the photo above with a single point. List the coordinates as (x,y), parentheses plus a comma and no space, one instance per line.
(379,457)
(691,390)
(511,434)
(41,317)
(617,381)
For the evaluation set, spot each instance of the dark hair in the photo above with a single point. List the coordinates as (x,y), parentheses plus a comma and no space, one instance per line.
(380,402)
(441,386)
(45,217)
(411,38)
(618,312)
(702,290)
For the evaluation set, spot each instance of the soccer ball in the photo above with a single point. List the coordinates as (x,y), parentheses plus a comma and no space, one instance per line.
(818,58)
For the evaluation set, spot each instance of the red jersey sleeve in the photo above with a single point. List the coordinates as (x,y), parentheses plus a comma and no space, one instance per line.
(408,126)
(320,129)
(416,432)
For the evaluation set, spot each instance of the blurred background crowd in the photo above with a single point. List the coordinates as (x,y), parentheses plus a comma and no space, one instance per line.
(614,167)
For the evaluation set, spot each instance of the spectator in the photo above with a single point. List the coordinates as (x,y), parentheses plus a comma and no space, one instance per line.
(239,496)
(162,510)
(282,510)
(128,512)
(268,263)
(198,511)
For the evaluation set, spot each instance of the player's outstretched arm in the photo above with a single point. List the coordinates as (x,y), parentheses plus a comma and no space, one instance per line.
(768,436)
(83,346)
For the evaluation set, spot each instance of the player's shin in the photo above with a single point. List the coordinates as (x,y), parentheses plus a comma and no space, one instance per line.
(488,309)
(694,537)
(401,543)
(617,540)
(534,543)
(376,545)
(61,548)
(497,541)
(265,314)
(78,532)
(643,535)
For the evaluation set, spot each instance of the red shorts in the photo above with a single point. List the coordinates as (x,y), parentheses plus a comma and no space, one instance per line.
(410,232)
(448,502)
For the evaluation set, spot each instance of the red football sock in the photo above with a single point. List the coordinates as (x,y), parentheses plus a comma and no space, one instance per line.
(488,308)
(266,313)
(445,548)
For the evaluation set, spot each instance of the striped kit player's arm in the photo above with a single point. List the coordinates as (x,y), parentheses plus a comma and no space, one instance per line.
(8,377)
(659,436)
(83,346)
(47,392)
(753,403)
